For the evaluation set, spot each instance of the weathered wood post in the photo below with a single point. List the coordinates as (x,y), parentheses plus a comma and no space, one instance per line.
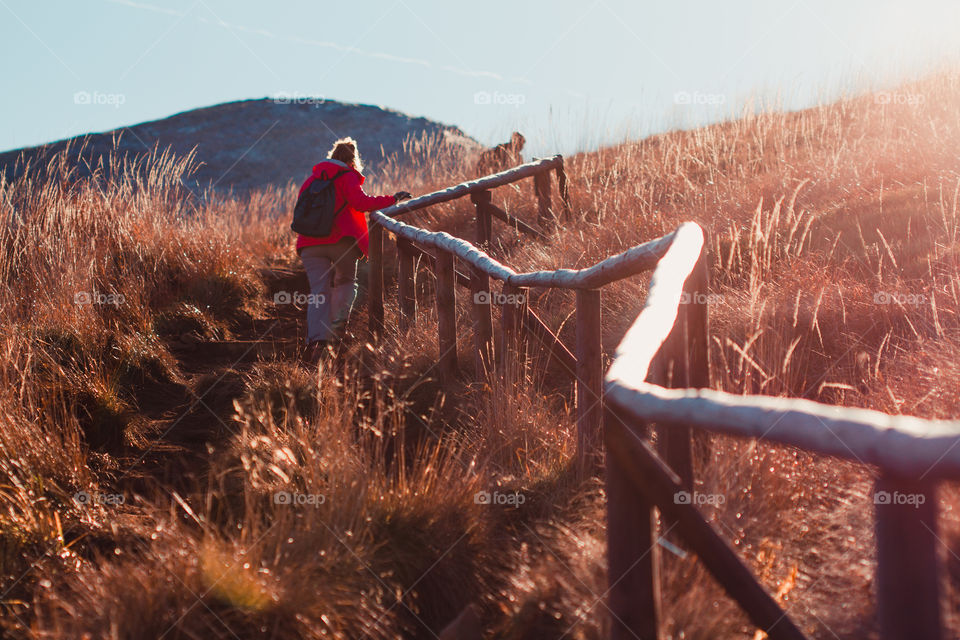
(482,320)
(562,188)
(673,439)
(481,200)
(375,284)
(686,353)
(697,324)
(446,317)
(654,483)
(406,283)
(541,187)
(513,313)
(589,377)
(908,580)
(633,556)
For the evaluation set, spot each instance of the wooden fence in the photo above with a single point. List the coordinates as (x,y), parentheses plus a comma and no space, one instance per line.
(445,253)
(661,375)
(479,192)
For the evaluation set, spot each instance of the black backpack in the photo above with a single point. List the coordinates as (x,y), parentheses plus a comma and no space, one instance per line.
(315,210)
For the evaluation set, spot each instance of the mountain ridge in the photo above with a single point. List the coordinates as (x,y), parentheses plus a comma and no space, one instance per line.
(251,143)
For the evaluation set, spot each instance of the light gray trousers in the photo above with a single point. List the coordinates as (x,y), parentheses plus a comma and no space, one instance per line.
(332,272)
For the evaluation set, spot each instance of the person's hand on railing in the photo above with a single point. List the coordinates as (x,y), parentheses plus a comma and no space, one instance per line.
(402,195)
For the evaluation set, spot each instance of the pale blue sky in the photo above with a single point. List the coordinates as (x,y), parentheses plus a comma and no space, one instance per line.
(570,74)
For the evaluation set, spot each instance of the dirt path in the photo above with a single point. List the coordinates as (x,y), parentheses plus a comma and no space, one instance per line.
(189,420)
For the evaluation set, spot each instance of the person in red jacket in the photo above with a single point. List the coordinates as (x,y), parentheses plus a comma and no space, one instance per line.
(331,261)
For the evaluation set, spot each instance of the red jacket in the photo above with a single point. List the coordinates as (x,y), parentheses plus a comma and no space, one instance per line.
(350,222)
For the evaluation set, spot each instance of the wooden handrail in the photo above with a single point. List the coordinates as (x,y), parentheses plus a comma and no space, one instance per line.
(587,364)
(442,240)
(637,259)
(648,476)
(644,338)
(660,374)
(904,445)
(475,186)
(912,454)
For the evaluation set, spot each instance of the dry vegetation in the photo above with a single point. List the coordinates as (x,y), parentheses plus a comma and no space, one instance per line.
(835,250)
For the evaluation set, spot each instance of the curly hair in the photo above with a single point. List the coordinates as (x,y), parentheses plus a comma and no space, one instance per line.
(345,150)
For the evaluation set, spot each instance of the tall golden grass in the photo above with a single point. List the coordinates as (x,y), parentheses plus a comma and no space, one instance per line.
(835,269)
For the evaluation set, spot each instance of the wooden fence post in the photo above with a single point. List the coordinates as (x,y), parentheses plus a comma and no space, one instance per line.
(686,353)
(375,284)
(541,187)
(649,477)
(514,310)
(446,317)
(589,376)
(482,320)
(697,324)
(406,283)
(564,193)
(481,201)
(674,440)
(633,555)
(908,580)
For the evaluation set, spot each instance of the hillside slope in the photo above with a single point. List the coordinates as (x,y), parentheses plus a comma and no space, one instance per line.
(176,408)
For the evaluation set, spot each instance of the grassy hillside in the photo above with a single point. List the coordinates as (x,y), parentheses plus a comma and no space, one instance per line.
(153,408)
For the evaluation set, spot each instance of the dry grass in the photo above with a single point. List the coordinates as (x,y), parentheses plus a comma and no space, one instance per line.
(836,272)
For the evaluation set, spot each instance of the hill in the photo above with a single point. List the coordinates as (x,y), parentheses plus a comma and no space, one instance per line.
(249,144)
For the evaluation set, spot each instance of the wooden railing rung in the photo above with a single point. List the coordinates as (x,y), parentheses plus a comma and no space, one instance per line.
(550,341)
(541,187)
(485,183)
(482,322)
(462,279)
(589,376)
(481,201)
(515,222)
(633,555)
(651,478)
(514,309)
